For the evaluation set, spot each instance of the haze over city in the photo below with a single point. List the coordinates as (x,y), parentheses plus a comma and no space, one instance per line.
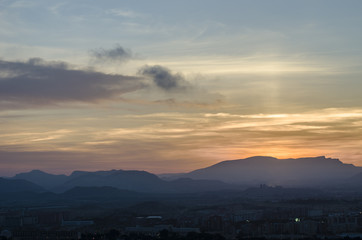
(173,86)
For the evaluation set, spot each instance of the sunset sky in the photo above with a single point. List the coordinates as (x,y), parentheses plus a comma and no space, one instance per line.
(172,86)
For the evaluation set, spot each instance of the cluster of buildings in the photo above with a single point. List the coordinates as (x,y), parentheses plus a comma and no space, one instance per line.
(262,220)
(265,222)
(22,218)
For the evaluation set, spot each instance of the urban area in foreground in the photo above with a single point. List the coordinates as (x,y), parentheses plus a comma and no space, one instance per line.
(324,201)
(221,215)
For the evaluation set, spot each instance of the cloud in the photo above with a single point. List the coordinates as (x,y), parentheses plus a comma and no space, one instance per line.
(164,78)
(123,13)
(212,101)
(182,137)
(177,90)
(117,54)
(37,82)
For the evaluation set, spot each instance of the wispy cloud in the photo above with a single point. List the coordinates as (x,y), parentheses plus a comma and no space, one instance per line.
(123,13)
(21,4)
(200,139)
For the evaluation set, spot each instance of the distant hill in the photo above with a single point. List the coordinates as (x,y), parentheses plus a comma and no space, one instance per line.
(97,193)
(170,176)
(226,175)
(272,171)
(43,179)
(266,192)
(74,197)
(138,181)
(106,195)
(357,178)
(191,185)
(18,185)
(354,182)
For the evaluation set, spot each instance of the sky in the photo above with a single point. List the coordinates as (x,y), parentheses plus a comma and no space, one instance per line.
(172,86)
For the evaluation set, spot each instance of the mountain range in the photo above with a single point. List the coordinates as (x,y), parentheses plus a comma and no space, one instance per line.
(139,181)
(18,185)
(227,175)
(316,171)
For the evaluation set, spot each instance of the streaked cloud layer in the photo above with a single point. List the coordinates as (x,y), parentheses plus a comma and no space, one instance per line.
(176,141)
(173,86)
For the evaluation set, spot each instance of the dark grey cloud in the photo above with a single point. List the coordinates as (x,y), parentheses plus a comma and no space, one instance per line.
(164,78)
(117,54)
(36,82)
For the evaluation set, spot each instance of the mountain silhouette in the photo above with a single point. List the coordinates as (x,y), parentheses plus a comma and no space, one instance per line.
(43,179)
(313,171)
(18,185)
(132,180)
(140,181)
(226,175)
(354,182)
